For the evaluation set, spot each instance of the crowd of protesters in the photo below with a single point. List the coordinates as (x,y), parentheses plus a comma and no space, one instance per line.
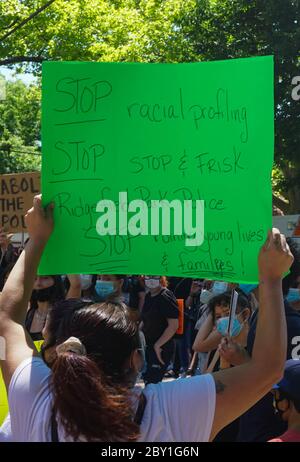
(114,365)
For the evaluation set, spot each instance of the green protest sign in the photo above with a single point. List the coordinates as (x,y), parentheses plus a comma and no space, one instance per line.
(158,168)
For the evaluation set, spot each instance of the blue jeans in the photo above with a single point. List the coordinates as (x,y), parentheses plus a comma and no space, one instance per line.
(184,345)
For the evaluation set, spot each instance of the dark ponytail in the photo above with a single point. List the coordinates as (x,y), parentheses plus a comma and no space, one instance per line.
(86,405)
(91,395)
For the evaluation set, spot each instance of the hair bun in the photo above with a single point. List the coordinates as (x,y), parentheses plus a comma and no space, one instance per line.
(72,345)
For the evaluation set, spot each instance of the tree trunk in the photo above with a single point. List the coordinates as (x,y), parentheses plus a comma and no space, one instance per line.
(294,199)
(281,204)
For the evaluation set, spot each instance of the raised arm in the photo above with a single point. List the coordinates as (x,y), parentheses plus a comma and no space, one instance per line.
(17,291)
(194,292)
(240,387)
(169,332)
(141,297)
(75,286)
(207,339)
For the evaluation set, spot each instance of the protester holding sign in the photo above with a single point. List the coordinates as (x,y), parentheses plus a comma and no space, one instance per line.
(213,330)
(84,350)
(215,325)
(17,191)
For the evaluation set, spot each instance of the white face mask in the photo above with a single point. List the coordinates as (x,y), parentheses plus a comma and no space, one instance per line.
(152,283)
(86,281)
(205,296)
(254,301)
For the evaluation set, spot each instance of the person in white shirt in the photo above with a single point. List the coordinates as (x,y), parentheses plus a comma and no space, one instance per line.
(5,431)
(88,393)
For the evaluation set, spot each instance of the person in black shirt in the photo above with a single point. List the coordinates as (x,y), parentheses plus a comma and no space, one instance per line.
(136,293)
(47,291)
(159,324)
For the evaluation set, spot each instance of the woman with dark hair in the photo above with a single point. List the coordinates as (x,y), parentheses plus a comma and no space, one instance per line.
(103,339)
(214,327)
(108,287)
(46,291)
(211,333)
(87,394)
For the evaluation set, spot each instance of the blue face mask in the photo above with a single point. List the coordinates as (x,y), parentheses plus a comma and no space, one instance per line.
(247,288)
(219,287)
(293,295)
(104,289)
(222,327)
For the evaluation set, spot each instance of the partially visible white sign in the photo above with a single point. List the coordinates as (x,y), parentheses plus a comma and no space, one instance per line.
(287,224)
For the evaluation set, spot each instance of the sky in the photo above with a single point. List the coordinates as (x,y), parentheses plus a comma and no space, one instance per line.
(10,74)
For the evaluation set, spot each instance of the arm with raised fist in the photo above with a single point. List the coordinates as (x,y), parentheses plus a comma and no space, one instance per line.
(240,387)
(18,288)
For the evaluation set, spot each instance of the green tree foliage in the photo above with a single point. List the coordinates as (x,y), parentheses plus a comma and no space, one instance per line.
(260,27)
(167,31)
(20,128)
(98,30)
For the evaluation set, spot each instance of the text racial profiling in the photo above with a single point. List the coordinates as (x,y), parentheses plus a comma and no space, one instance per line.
(221,110)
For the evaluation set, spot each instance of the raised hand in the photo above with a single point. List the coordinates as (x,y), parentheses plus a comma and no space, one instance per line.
(39,220)
(232,352)
(275,257)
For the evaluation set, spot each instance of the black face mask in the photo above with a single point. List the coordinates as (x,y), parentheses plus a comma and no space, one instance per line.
(45,295)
